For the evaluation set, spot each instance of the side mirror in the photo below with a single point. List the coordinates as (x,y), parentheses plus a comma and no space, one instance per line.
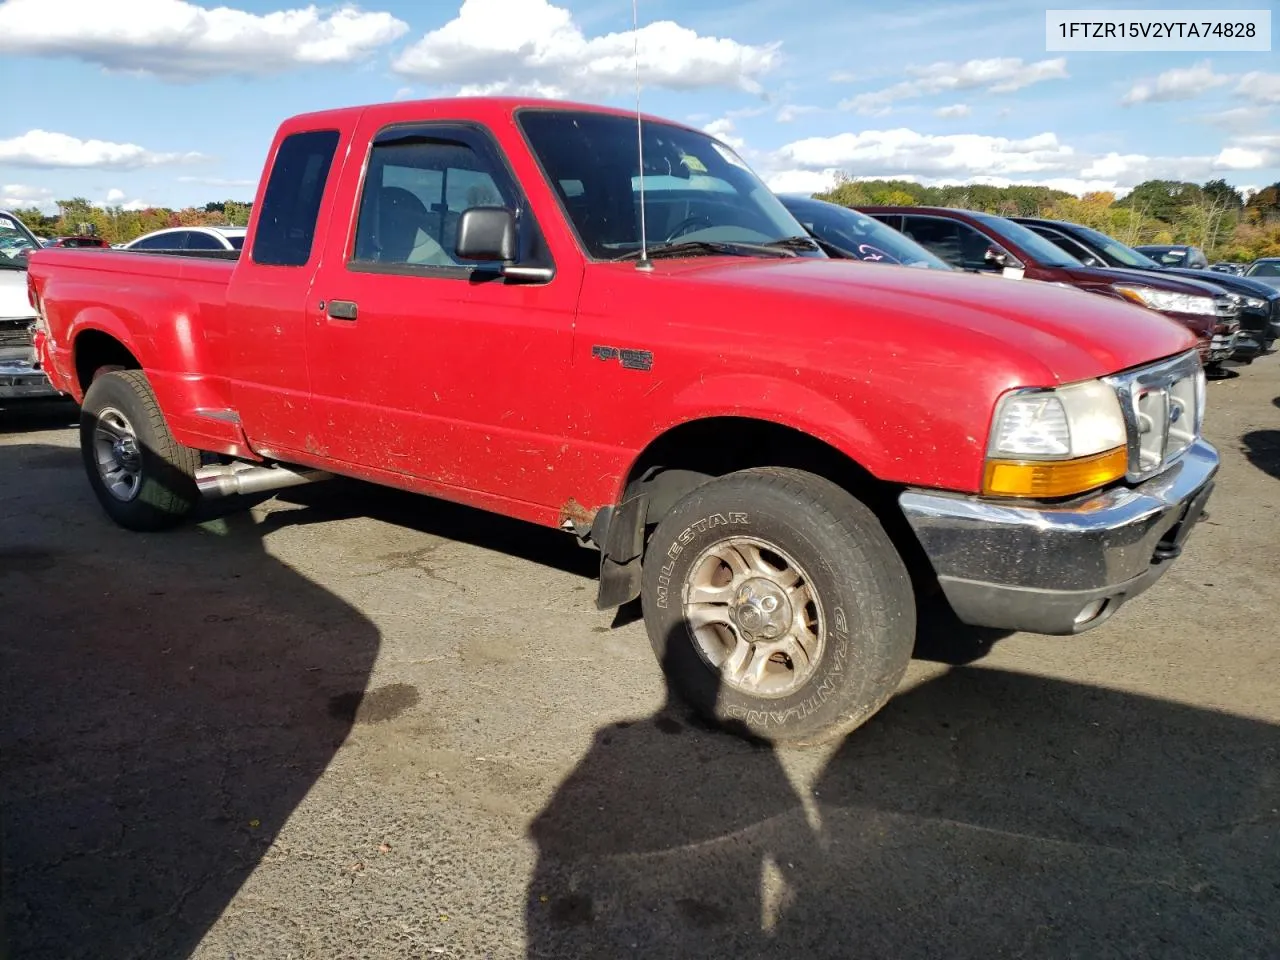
(487,234)
(1091,262)
(996,258)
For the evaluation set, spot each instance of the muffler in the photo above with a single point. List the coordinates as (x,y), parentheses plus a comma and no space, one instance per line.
(246,478)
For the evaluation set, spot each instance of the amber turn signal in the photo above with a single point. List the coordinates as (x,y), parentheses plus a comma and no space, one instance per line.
(1053,478)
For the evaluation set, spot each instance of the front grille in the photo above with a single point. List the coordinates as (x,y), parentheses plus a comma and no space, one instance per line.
(1163,409)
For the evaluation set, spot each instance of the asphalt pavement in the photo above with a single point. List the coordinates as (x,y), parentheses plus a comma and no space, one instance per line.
(349,722)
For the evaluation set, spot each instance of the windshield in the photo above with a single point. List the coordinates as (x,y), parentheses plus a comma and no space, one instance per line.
(1265,268)
(16,244)
(860,236)
(1044,252)
(1115,249)
(696,189)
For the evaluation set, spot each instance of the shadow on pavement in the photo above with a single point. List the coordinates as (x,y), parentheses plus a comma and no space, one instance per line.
(1262,447)
(168,700)
(29,416)
(981,814)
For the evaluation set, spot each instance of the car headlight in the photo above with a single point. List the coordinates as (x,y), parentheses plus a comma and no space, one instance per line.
(1056,443)
(1166,301)
(1255,303)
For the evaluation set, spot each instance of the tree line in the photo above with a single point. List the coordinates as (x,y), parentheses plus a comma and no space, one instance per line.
(117,225)
(1214,216)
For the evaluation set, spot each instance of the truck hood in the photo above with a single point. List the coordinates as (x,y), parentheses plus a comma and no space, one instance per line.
(1058,331)
(13,295)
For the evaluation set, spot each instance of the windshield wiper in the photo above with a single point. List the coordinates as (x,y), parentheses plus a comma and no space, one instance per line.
(796,243)
(692,248)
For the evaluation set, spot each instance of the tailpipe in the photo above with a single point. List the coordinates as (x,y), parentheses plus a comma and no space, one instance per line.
(244,478)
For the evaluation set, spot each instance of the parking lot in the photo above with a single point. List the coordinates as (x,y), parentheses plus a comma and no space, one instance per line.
(354,723)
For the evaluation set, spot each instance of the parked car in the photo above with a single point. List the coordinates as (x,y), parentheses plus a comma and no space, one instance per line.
(1235,269)
(456,297)
(982,242)
(849,234)
(20,374)
(78,241)
(212,240)
(1259,304)
(1175,255)
(1265,270)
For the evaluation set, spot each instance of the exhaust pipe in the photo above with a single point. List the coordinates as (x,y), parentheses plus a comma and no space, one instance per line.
(242,479)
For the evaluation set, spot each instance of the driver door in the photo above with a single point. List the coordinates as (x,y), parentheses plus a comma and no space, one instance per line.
(424,365)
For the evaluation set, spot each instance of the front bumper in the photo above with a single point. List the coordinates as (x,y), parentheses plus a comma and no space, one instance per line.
(20,380)
(1061,568)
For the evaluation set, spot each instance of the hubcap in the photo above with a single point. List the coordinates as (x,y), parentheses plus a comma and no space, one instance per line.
(754,617)
(115,449)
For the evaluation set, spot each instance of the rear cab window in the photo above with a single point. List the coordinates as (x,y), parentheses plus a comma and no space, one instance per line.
(291,205)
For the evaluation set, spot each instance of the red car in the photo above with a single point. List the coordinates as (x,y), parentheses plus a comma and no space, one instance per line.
(456,297)
(982,242)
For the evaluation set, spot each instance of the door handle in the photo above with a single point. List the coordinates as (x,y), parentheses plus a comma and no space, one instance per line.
(342,309)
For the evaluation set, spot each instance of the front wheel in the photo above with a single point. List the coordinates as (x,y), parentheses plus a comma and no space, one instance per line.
(144,479)
(778,605)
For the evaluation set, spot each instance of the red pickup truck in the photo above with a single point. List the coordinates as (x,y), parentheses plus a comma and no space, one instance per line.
(774,450)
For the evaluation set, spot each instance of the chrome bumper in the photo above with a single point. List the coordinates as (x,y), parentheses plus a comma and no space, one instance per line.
(20,380)
(1062,568)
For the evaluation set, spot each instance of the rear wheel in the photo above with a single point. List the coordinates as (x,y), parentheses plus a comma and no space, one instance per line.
(144,479)
(778,605)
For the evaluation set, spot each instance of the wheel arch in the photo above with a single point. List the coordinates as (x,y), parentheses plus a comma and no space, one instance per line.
(94,351)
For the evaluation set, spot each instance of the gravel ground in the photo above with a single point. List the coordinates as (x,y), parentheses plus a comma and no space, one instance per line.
(353,723)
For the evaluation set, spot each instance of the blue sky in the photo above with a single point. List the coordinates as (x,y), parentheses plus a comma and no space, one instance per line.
(171,102)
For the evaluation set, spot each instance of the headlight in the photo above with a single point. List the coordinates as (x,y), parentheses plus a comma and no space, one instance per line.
(1255,303)
(1056,443)
(1165,301)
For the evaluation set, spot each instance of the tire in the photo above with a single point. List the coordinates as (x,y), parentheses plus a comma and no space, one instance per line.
(860,613)
(146,484)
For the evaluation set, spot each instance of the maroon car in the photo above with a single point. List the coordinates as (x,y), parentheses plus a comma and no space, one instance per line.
(79,242)
(982,242)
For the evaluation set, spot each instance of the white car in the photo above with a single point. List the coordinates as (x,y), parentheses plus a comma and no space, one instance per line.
(190,238)
(20,376)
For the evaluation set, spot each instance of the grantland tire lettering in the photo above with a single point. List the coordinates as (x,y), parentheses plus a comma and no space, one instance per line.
(682,540)
(839,653)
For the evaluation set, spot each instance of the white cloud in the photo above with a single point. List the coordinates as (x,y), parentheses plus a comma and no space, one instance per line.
(40,148)
(178,40)
(1181,83)
(893,152)
(218,181)
(115,195)
(1238,118)
(813,164)
(1260,87)
(403,93)
(532,46)
(14,195)
(953,111)
(789,111)
(994,75)
(116,198)
(723,129)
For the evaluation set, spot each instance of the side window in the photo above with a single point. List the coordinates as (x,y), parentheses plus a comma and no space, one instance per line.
(890,220)
(162,241)
(202,241)
(287,224)
(415,191)
(956,243)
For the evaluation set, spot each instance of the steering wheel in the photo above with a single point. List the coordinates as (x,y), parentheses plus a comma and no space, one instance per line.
(687,224)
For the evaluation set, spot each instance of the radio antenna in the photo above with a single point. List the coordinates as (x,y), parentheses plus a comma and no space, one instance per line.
(644,262)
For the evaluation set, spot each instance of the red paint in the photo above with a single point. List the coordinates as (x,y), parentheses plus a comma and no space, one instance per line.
(489,394)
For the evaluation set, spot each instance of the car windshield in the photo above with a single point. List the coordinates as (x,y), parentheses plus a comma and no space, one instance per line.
(698,193)
(860,236)
(1044,252)
(1115,249)
(16,244)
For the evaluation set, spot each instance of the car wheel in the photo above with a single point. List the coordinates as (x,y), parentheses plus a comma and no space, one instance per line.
(778,605)
(144,479)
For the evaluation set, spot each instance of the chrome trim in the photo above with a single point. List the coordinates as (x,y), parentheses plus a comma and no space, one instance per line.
(1037,566)
(1158,379)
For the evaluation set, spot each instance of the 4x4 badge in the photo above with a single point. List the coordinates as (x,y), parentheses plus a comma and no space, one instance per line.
(630,359)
